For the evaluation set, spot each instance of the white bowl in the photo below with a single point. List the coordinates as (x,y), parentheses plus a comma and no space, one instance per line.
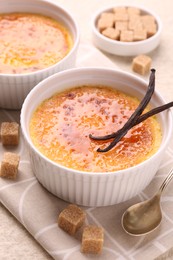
(15,87)
(89,188)
(125,48)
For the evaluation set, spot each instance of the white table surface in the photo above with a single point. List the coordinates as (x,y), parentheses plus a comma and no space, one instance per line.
(15,241)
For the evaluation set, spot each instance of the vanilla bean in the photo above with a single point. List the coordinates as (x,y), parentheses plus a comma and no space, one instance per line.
(133,118)
(137,112)
(140,119)
(153,112)
(136,118)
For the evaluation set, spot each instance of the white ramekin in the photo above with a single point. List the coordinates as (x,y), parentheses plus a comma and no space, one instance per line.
(89,188)
(125,48)
(15,87)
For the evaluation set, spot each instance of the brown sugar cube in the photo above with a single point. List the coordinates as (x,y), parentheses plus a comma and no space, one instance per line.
(135,23)
(151,29)
(92,239)
(104,23)
(9,165)
(108,15)
(141,64)
(126,36)
(10,133)
(111,33)
(133,10)
(71,219)
(121,26)
(120,9)
(121,17)
(139,35)
(147,19)
(135,17)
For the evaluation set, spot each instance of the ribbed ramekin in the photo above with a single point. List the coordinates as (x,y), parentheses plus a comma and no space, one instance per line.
(15,87)
(89,188)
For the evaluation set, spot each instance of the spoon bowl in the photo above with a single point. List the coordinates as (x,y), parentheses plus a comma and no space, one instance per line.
(145,216)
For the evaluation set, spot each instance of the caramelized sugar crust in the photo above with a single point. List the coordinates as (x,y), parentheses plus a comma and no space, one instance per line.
(30,42)
(61,125)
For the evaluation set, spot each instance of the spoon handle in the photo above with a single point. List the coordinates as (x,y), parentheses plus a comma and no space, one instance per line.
(166,181)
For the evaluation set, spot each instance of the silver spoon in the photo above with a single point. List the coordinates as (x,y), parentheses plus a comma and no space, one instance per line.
(145,216)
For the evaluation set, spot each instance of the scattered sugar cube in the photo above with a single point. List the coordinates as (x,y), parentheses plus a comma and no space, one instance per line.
(140,35)
(111,33)
(121,17)
(92,239)
(9,165)
(121,26)
(133,10)
(141,64)
(104,23)
(71,219)
(126,36)
(10,133)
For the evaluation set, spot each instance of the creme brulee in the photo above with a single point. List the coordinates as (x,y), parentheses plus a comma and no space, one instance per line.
(61,125)
(31,42)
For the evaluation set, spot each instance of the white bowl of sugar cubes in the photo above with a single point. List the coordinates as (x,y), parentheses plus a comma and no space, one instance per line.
(126,30)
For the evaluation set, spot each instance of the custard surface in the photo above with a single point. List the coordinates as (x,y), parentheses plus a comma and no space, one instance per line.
(31,42)
(61,125)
